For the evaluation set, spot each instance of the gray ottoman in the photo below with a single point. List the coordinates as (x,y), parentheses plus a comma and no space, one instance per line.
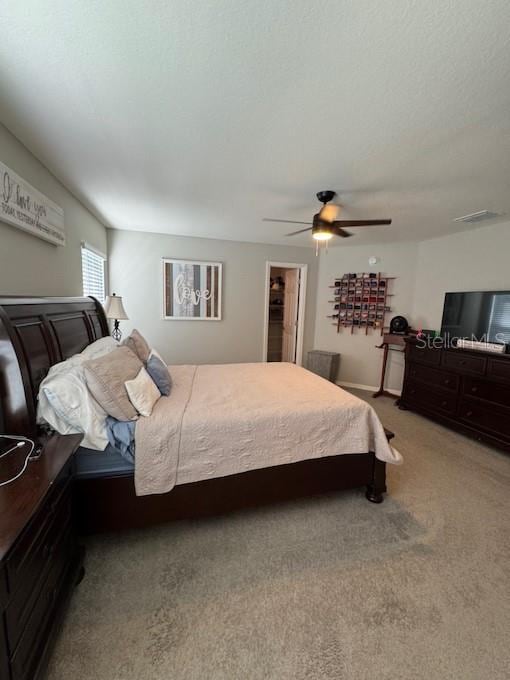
(324,364)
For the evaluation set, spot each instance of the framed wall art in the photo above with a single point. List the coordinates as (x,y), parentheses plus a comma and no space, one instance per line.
(191,290)
(24,207)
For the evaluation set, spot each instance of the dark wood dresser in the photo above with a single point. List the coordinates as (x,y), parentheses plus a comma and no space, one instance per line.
(465,389)
(40,560)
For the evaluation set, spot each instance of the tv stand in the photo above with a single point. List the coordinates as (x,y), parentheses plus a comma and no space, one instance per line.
(466,390)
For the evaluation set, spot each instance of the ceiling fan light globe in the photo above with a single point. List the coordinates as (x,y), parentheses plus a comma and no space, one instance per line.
(322,235)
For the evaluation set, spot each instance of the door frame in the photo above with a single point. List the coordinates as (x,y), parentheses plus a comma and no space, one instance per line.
(303,271)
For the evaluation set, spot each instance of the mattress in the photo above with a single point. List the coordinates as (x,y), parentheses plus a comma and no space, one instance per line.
(222,420)
(107,463)
(227,419)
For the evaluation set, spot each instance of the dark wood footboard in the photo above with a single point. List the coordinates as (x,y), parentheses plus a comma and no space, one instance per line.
(110,503)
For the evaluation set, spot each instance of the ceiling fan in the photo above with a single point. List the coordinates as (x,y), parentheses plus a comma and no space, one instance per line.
(324,225)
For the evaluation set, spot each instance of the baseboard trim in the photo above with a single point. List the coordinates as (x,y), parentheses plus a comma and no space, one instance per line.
(368,388)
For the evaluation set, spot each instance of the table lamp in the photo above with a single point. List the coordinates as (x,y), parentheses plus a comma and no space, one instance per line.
(114,309)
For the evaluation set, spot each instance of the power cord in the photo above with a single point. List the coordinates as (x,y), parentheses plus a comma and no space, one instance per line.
(21,441)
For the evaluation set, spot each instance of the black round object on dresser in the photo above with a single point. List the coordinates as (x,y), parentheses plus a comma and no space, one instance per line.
(399,325)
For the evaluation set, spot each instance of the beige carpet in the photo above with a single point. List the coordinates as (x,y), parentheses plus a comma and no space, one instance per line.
(327,588)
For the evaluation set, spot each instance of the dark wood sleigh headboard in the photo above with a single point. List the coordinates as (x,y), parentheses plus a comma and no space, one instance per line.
(36,333)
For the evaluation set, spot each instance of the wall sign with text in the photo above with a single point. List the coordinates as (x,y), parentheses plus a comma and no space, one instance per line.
(192,290)
(26,208)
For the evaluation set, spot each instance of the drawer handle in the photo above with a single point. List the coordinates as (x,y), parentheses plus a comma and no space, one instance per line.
(469,414)
(444,403)
(474,390)
(447,381)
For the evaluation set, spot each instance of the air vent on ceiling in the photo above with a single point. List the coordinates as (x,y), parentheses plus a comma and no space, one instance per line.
(478,216)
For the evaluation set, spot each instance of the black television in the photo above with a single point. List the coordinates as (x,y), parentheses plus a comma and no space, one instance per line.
(477,315)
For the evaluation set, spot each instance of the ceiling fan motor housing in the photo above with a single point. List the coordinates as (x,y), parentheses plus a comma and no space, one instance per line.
(326,196)
(321,227)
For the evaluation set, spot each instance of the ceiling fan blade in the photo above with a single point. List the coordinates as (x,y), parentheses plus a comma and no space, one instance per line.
(359,223)
(329,212)
(341,232)
(301,231)
(269,219)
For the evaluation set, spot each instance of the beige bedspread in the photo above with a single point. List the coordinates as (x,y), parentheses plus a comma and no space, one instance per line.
(224,419)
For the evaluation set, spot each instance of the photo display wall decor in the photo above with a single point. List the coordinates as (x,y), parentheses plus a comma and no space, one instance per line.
(361,301)
(191,290)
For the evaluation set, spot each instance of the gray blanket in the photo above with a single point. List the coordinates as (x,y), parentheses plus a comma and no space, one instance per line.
(121,436)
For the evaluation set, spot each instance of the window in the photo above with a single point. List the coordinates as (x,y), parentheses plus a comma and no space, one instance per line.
(93,272)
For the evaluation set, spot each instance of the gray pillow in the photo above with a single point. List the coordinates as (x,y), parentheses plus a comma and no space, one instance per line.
(138,344)
(158,371)
(106,376)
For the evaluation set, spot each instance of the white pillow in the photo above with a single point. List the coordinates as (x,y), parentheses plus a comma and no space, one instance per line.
(66,404)
(142,392)
(99,348)
(47,414)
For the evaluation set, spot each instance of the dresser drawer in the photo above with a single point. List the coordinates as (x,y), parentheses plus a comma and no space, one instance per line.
(26,656)
(466,363)
(430,398)
(499,369)
(489,391)
(434,377)
(23,601)
(485,417)
(429,357)
(29,544)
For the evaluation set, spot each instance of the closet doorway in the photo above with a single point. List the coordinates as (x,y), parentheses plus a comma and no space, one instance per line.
(284,312)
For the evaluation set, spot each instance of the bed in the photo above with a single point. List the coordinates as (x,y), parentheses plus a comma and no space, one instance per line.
(36,333)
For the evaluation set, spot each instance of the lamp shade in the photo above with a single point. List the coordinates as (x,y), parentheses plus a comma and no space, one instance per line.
(114,308)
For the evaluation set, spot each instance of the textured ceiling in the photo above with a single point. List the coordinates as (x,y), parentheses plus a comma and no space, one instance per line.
(201,118)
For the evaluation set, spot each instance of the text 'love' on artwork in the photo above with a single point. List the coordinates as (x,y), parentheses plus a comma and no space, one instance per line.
(192,290)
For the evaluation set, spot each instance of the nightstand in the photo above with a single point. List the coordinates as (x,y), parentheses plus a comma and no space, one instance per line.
(40,560)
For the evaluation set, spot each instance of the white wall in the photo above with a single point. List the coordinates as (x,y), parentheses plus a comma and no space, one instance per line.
(360,361)
(135,269)
(473,260)
(29,265)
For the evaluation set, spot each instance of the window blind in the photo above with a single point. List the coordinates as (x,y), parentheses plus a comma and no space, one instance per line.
(93,274)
